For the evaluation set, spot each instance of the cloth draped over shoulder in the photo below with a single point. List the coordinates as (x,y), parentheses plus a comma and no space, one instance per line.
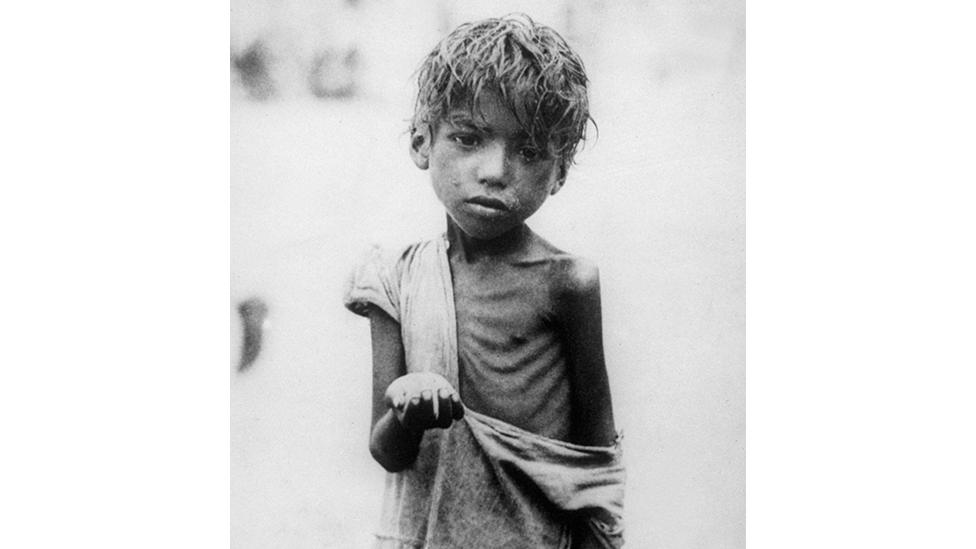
(482,483)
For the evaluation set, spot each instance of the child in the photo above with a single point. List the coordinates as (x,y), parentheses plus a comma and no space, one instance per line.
(491,405)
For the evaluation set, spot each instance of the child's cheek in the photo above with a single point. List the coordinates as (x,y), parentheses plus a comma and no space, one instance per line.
(448,172)
(441,163)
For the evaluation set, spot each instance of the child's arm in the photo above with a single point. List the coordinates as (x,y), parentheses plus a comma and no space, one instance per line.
(404,405)
(592,411)
(578,306)
(391,445)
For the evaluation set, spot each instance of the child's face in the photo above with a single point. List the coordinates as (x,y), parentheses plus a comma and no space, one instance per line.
(485,170)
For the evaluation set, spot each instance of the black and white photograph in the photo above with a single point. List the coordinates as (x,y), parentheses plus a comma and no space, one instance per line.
(487,274)
(391,274)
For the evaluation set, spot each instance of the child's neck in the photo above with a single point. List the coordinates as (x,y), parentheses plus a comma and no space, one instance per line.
(470,249)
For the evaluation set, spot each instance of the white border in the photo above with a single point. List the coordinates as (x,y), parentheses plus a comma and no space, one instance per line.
(861,277)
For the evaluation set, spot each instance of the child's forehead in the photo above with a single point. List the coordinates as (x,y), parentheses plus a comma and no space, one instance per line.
(490,113)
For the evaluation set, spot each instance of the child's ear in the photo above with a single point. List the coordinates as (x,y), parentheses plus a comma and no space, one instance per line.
(420,147)
(558,185)
(560,180)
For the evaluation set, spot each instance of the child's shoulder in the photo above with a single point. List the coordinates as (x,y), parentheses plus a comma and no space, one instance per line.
(387,262)
(399,256)
(569,274)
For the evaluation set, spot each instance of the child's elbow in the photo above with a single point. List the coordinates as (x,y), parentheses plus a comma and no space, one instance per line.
(392,463)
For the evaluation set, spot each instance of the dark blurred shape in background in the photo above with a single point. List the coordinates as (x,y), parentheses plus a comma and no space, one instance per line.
(294,48)
(253,314)
(252,67)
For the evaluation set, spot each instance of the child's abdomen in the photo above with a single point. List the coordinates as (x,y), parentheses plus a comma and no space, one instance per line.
(511,360)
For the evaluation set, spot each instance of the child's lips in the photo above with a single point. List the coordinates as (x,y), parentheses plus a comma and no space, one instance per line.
(488,202)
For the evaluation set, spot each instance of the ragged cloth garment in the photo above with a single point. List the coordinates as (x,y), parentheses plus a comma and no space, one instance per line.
(482,483)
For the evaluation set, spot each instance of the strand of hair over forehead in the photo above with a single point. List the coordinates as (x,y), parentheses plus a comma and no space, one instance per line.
(536,72)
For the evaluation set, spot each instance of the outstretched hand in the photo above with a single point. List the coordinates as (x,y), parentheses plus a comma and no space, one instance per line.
(424,400)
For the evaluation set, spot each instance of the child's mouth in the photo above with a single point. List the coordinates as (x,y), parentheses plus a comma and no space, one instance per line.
(488,203)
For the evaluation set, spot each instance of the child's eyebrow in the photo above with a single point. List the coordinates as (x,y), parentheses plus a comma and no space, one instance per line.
(465,121)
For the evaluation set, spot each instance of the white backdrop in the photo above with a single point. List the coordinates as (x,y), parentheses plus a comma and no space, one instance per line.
(657,199)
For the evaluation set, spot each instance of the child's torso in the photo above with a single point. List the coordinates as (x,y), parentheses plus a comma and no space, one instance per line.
(511,357)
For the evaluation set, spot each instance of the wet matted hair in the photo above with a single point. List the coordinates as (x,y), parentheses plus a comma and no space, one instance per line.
(531,67)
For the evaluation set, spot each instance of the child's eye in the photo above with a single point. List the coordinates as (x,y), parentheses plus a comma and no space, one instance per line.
(466,139)
(530,154)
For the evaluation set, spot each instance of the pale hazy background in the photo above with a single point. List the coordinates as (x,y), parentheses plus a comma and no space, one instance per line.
(319,170)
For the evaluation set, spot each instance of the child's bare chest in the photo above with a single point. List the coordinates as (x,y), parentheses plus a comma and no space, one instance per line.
(511,355)
(508,300)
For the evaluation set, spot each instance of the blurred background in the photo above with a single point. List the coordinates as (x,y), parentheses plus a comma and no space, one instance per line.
(321,93)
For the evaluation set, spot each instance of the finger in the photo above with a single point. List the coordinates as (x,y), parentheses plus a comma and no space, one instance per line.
(435,404)
(446,415)
(457,408)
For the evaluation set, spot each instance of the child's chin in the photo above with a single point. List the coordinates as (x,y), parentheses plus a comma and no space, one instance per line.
(482,232)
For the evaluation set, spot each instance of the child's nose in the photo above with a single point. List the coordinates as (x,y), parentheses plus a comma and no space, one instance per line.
(494,166)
